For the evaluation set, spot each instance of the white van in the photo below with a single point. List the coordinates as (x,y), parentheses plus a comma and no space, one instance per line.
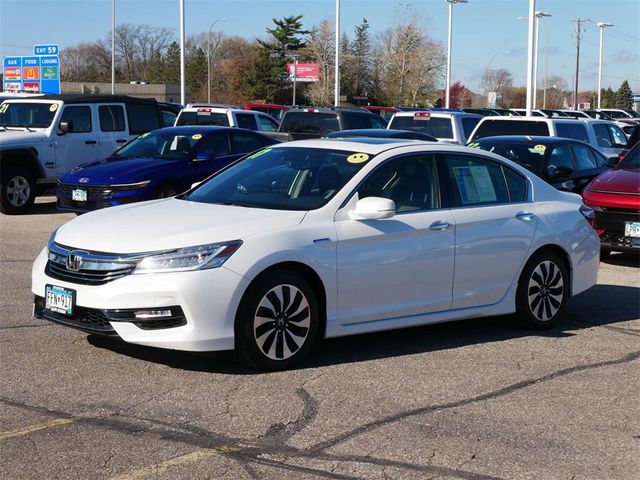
(604,135)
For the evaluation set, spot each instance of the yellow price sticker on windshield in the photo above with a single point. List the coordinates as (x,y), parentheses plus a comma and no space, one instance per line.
(53,107)
(144,135)
(4,107)
(196,136)
(540,148)
(357,158)
(258,153)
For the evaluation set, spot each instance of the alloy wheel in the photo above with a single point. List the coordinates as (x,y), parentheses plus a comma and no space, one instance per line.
(18,191)
(545,292)
(282,321)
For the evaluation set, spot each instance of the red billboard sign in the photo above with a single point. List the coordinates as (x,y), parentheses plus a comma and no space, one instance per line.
(305,72)
(32,87)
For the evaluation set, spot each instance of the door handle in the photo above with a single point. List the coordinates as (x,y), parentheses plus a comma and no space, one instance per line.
(439,226)
(121,140)
(90,142)
(525,216)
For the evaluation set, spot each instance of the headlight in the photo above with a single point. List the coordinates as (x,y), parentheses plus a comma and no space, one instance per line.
(200,257)
(130,186)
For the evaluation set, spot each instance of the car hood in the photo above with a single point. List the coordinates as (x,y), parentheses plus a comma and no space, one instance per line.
(119,170)
(168,223)
(619,180)
(20,137)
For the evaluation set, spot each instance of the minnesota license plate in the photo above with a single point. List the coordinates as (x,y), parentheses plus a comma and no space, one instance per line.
(79,195)
(59,300)
(632,229)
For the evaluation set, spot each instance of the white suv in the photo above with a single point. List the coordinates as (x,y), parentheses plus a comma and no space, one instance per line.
(208,114)
(449,127)
(604,135)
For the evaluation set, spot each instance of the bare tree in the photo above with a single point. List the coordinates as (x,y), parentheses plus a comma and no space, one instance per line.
(148,41)
(320,49)
(412,63)
(496,80)
(557,89)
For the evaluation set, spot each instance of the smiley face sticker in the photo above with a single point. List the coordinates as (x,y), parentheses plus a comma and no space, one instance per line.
(357,158)
(196,136)
(53,107)
(540,148)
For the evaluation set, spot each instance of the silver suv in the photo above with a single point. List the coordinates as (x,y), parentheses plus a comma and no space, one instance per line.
(449,127)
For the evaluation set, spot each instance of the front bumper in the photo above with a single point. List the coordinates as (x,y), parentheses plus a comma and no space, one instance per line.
(97,197)
(207,299)
(611,227)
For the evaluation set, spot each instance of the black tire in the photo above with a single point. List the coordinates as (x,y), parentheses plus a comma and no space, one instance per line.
(277,321)
(542,292)
(17,191)
(167,190)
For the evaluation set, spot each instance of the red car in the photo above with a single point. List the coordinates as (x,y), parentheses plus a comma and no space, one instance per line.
(615,198)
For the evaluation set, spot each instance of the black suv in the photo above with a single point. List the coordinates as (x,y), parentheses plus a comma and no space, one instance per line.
(315,122)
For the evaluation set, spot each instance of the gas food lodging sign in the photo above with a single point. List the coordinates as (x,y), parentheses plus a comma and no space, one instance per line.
(39,73)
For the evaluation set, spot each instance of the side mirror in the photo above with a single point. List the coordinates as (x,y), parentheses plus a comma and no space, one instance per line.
(373,208)
(612,161)
(66,127)
(556,172)
(203,157)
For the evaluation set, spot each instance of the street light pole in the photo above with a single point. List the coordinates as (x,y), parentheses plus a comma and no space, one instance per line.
(531,43)
(113,47)
(535,56)
(182,63)
(448,79)
(209,58)
(295,74)
(602,26)
(336,99)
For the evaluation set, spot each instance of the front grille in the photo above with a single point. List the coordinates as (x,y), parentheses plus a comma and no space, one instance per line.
(88,320)
(91,191)
(88,205)
(92,268)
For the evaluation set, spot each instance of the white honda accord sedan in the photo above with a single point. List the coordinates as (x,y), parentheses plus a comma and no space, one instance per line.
(322,238)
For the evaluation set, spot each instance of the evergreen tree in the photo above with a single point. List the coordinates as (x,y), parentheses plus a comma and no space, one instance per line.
(346,67)
(609,98)
(361,55)
(171,70)
(624,96)
(265,79)
(155,68)
(197,74)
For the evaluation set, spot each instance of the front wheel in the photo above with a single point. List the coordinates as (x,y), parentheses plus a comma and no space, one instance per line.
(277,322)
(542,291)
(17,191)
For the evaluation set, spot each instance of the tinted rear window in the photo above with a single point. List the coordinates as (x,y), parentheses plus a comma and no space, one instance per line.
(436,126)
(468,124)
(143,118)
(572,130)
(492,128)
(309,122)
(203,118)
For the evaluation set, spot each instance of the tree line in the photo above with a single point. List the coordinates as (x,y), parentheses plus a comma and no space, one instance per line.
(400,66)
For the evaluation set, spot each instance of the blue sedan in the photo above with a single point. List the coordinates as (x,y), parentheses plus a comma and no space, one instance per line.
(158,164)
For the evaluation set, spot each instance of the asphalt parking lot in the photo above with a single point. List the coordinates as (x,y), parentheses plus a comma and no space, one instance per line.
(479,399)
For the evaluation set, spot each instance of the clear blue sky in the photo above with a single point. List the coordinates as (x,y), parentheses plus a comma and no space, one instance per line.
(482,29)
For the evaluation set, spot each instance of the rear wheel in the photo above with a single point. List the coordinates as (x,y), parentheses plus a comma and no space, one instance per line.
(542,291)
(277,322)
(17,191)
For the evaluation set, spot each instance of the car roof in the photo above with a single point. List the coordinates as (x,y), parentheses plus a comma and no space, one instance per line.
(372,146)
(203,129)
(214,108)
(526,139)
(93,98)
(439,113)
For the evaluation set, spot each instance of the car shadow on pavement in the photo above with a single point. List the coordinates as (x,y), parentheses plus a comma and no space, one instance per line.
(623,259)
(43,206)
(588,310)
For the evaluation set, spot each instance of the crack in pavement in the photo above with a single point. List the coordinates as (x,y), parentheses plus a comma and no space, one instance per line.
(250,452)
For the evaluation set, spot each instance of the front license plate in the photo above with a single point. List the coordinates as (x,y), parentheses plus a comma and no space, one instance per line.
(59,300)
(632,229)
(79,195)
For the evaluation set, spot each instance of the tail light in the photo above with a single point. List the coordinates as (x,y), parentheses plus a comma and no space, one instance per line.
(590,215)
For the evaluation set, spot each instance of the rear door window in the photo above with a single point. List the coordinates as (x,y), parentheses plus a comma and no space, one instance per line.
(572,130)
(618,137)
(217,144)
(561,157)
(475,181)
(111,118)
(491,128)
(267,124)
(585,160)
(602,135)
(245,143)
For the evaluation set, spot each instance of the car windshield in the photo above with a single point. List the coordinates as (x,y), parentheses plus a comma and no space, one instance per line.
(160,144)
(290,178)
(203,117)
(32,115)
(529,155)
(631,161)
